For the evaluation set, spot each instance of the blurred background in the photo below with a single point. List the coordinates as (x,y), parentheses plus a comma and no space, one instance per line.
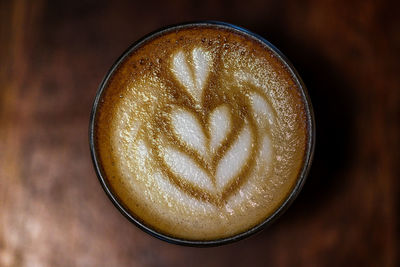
(53,55)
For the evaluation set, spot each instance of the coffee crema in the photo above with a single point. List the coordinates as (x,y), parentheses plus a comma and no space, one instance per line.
(201,132)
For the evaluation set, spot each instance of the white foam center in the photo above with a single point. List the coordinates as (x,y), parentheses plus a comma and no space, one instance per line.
(220,126)
(185,167)
(192,74)
(201,62)
(234,160)
(188,129)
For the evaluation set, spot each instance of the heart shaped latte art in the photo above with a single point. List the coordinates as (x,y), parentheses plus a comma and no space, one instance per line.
(209,149)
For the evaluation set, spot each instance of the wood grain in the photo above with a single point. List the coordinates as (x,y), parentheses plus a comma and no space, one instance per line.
(53,56)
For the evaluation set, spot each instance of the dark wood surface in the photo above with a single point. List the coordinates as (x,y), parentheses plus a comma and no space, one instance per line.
(53,56)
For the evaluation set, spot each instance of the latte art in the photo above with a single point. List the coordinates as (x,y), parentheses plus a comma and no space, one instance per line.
(205,152)
(201,133)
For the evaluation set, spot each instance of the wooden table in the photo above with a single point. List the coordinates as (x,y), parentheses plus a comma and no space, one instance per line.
(53,56)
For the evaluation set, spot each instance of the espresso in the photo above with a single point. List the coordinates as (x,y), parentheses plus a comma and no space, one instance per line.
(202,132)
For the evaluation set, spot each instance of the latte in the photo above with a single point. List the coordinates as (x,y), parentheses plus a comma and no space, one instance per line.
(201,132)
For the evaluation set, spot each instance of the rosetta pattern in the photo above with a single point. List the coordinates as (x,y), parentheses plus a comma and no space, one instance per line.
(211,139)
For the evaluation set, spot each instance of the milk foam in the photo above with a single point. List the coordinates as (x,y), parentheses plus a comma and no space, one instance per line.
(234,160)
(192,74)
(189,130)
(193,77)
(220,127)
(202,144)
(186,168)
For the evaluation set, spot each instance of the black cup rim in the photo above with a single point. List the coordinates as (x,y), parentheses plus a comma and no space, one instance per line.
(284,205)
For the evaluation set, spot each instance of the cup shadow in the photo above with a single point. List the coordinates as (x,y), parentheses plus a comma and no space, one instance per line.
(332,99)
